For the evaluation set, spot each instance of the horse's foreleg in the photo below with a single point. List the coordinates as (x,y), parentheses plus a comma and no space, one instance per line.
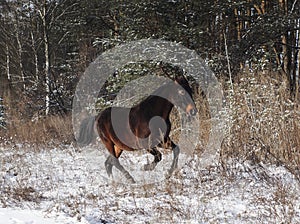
(176,151)
(157,159)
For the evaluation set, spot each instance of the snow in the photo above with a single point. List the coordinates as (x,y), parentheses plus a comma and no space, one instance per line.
(67,185)
(17,216)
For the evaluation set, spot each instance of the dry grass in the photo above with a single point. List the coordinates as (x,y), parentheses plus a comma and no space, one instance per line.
(43,131)
(264,122)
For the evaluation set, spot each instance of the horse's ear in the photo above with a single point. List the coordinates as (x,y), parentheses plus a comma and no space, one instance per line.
(179,79)
(166,73)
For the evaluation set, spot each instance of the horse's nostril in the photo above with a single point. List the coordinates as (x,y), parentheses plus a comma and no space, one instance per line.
(193,112)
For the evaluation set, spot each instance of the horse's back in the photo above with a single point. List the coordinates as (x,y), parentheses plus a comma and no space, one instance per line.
(113,125)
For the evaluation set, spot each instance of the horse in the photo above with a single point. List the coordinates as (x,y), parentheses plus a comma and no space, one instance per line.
(144,126)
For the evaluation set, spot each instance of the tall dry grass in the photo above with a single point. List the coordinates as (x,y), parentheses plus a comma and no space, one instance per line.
(51,130)
(264,121)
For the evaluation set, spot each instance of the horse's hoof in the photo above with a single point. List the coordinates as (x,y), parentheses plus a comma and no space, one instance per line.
(132,181)
(149,167)
(130,178)
(169,174)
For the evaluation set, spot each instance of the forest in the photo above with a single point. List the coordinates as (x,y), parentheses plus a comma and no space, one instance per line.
(46,45)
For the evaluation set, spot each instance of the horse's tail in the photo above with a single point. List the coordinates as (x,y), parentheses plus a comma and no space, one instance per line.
(86,132)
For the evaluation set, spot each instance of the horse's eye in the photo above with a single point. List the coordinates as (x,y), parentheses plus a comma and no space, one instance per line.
(181,92)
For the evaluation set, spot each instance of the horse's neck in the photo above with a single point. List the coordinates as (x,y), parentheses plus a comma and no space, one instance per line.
(159,106)
(165,107)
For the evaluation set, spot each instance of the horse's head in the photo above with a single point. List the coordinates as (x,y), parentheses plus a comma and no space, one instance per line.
(183,96)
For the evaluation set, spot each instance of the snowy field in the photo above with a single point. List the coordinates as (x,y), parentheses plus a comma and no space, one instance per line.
(71,186)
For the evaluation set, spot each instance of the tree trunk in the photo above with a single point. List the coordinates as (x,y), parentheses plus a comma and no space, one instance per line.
(261,9)
(20,50)
(297,61)
(7,63)
(35,58)
(5,87)
(42,13)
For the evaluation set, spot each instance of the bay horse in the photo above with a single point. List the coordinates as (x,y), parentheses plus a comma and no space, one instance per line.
(143,126)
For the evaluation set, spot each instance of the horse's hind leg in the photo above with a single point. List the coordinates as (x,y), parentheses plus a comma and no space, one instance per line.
(109,165)
(115,162)
(176,151)
(112,160)
(157,158)
(109,161)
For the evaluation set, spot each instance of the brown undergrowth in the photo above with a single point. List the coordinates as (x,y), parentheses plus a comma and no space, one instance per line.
(264,121)
(51,130)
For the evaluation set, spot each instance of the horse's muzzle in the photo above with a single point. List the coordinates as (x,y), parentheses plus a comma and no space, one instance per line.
(191,110)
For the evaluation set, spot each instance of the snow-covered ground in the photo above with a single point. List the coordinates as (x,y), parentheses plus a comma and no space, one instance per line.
(71,186)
